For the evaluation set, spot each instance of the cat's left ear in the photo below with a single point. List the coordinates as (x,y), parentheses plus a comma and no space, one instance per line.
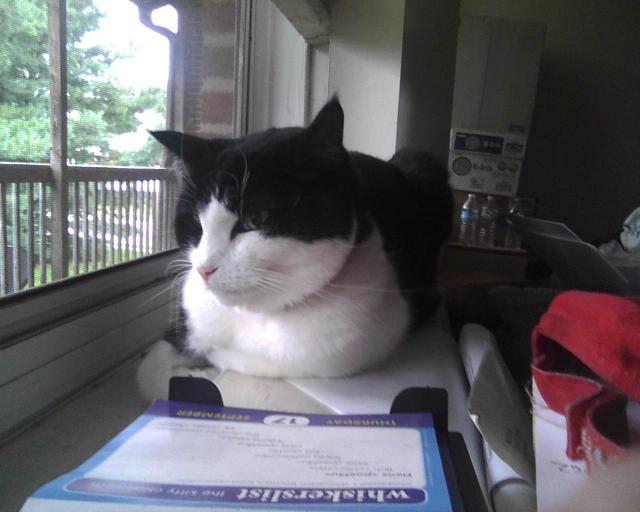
(180,144)
(188,147)
(328,126)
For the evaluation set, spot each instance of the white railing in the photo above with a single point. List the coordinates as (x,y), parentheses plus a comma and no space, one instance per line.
(113,215)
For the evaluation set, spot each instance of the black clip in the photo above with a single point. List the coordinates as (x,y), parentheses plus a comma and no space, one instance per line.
(195,390)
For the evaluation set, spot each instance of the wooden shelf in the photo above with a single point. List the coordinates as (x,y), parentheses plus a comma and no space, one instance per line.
(465,264)
(488,249)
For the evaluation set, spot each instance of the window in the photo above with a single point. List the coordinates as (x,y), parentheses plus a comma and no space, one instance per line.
(81,187)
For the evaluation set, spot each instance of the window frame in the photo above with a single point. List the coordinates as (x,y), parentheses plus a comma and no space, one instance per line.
(57,338)
(69,298)
(289,65)
(60,175)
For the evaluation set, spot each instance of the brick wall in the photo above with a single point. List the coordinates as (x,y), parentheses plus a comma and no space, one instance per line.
(208,41)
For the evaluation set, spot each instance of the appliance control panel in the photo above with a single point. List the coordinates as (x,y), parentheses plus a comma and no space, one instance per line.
(487,163)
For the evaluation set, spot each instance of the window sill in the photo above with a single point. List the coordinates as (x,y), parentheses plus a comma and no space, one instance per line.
(60,301)
(68,435)
(83,329)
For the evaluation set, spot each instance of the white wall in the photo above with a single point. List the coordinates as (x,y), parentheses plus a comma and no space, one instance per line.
(278,69)
(318,79)
(364,70)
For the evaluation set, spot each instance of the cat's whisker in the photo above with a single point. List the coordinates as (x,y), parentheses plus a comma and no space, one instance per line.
(322,292)
(174,270)
(178,262)
(360,287)
(329,285)
(189,186)
(179,266)
(268,287)
(245,179)
(177,271)
(155,296)
(226,173)
(279,285)
(273,284)
(379,290)
(344,243)
(287,280)
(180,165)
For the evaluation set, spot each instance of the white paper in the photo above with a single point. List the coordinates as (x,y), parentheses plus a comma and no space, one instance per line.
(497,405)
(497,409)
(559,478)
(246,454)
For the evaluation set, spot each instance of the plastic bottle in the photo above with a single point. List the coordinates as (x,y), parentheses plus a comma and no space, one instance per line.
(502,225)
(469,220)
(512,238)
(487,222)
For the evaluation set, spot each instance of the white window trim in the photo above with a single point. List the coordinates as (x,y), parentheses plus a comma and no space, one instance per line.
(81,329)
(289,71)
(74,297)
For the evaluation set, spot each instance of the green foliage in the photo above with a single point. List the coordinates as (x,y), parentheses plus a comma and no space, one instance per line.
(150,152)
(23,45)
(25,137)
(100,108)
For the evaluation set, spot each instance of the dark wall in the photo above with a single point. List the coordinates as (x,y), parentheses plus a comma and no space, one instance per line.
(583,156)
(427,75)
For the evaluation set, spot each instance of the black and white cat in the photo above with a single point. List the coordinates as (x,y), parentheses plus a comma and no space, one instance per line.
(306,260)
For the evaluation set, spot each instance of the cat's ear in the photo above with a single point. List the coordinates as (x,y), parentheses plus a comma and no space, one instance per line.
(188,147)
(328,125)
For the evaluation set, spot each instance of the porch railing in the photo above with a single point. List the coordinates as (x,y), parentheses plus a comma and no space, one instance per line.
(114,214)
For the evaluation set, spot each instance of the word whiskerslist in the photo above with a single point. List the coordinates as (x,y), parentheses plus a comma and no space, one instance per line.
(275,495)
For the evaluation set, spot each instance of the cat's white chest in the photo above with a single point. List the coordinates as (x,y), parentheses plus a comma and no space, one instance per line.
(349,324)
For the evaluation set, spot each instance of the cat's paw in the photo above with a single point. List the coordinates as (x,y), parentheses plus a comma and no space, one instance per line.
(161,363)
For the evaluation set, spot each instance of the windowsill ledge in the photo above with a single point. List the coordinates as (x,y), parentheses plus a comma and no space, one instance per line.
(69,435)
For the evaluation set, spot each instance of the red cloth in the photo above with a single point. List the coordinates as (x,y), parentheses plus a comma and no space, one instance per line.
(601,330)
(586,362)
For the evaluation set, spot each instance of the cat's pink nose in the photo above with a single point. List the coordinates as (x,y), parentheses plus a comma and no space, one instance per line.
(206,272)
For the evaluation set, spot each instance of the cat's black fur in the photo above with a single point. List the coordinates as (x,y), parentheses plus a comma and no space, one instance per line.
(302,183)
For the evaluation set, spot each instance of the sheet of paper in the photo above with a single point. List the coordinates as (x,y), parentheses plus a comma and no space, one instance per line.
(186,455)
(493,395)
(247,454)
(497,405)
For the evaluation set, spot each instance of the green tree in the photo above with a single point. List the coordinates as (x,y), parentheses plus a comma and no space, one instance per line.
(99,106)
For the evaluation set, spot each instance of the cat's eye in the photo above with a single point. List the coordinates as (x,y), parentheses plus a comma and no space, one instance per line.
(256,219)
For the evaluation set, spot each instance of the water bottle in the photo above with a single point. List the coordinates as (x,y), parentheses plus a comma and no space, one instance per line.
(469,220)
(512,238)
(487,223)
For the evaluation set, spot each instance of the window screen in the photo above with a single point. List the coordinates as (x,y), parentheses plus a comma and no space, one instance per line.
(115,200)
(82,185)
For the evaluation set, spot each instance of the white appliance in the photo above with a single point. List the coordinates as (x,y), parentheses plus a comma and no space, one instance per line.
(497,64)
